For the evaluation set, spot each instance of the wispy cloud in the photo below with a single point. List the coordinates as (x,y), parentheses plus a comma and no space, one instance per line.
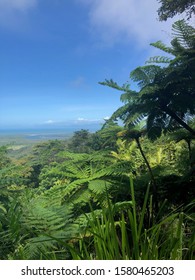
(106,118)
(123,20)
(84,120)
(77,121)
(81,119)
(12,10)
(79,82)
(20,5)
(49,122)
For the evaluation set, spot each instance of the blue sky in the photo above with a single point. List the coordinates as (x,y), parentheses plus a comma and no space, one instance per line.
(53,53)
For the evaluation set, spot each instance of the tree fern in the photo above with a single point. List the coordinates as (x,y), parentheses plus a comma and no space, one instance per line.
(110,83)
(144,75)
(161,46)
(159,60)
(184,33)
(166,93)
(46,222)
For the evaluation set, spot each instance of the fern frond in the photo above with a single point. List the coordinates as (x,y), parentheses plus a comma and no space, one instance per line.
(110,83)
(129,97)
(145,75)
(125,87)
(161,46)
(40,220)
(159,59)
(184,33)
(119,113)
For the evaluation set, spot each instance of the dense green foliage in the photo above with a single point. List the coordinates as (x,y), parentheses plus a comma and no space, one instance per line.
(166,98)
(169,8)
(123,192)
(64,207)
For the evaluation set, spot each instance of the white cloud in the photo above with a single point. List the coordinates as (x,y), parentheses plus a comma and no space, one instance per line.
(87,121)
(49,122)
(73,121)
(79,82)
(81,119)
(21,5)
(123,20)
(12,12)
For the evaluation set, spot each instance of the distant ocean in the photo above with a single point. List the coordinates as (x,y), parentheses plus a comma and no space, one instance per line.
(35,134)
(46,133)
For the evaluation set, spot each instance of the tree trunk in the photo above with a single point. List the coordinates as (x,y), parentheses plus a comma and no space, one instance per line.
(190,152)
(178,119)
(154,186)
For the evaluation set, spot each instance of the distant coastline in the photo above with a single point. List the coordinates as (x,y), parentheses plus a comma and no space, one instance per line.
(20,135)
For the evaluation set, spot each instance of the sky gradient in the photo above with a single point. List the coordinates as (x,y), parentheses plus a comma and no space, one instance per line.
(54,53)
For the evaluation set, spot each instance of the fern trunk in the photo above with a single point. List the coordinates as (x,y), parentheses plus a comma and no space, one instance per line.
(178,119)
(154,186)
(189,152)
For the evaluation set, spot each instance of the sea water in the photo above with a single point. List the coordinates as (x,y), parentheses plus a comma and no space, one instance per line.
(44,133)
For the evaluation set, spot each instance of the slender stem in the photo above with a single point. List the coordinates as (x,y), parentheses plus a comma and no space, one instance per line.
(178,119)
(189,151)
(151,173)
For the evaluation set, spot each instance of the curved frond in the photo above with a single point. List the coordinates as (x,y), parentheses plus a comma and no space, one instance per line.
(184,33)
(144,75)
(161,46)
(129,97)
(159,59)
